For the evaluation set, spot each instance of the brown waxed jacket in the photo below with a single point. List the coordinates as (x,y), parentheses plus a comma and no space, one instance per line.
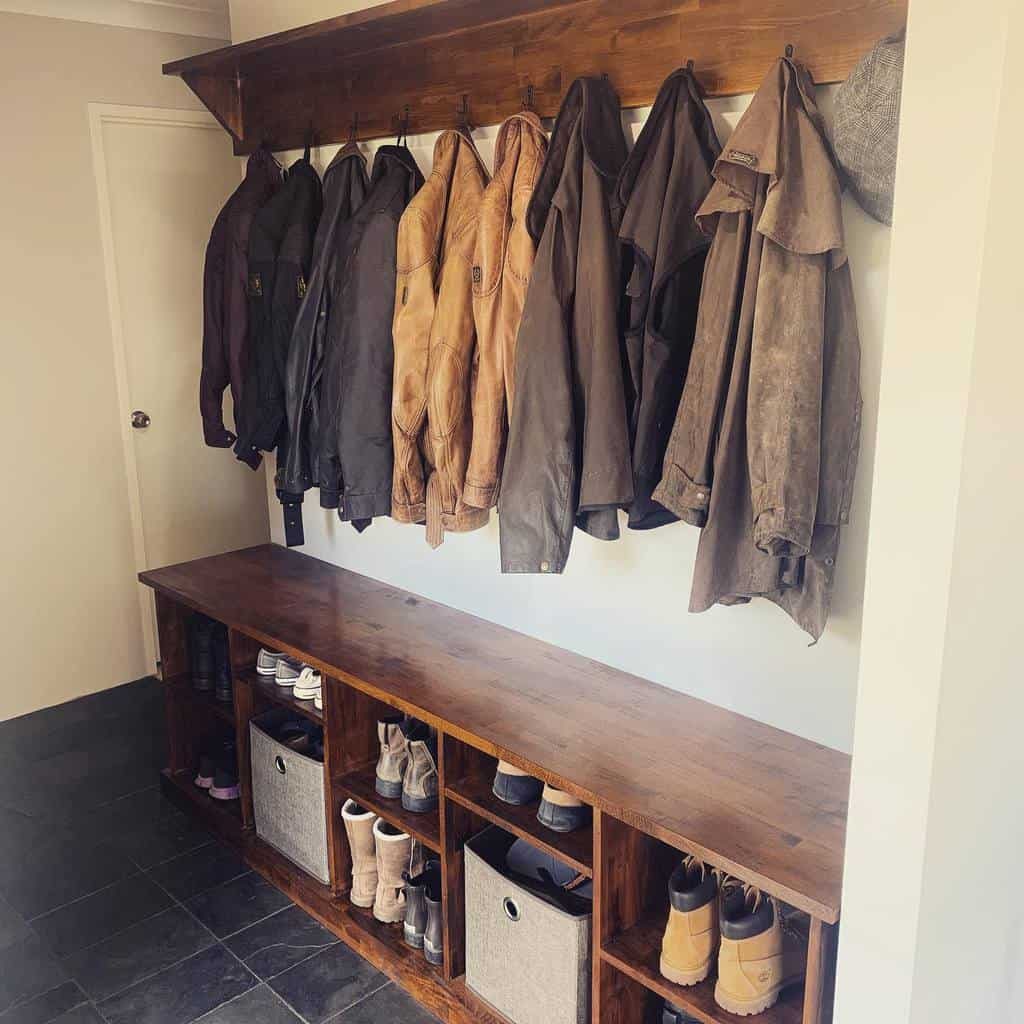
(435,338)
(764,448)
(502,265)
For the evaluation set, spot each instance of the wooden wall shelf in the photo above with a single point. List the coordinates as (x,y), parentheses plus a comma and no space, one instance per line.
(430,53)
(664,773)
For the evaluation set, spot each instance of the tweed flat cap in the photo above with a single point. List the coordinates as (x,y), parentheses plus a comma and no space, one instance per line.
(867,119)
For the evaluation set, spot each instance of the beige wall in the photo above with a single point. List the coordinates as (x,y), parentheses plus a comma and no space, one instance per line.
(69,614)
(252,18)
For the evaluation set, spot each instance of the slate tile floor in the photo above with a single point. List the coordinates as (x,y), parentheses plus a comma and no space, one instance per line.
(116,908)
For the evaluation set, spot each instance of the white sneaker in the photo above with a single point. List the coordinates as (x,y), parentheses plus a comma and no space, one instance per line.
(307,686)
(266,661)
(318,700)
(287,671)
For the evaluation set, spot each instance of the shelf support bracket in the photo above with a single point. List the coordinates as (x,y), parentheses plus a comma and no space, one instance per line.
(223,98)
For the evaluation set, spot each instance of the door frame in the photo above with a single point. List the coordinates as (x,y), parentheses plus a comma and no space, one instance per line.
(101,114)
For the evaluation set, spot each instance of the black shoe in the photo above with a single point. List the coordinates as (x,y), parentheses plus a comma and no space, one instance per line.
(433,937)
(562,812)
(416,903)
(201,631)
(222,665)
(674,1015)
(514,786)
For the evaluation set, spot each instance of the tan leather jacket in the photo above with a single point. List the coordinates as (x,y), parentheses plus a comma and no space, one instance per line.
(435,338)
(501,272)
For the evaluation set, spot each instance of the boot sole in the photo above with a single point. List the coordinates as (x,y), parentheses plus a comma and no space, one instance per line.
(412,938)
(363,903)
(388,790)
(562,819)
(744,1008)
(230,793)
(434,956)
(392,918)
(419,804)
(685,978)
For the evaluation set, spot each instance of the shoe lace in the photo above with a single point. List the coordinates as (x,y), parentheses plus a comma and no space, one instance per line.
(752,895)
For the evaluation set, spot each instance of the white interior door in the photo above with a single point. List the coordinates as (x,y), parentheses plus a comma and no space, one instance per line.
(162,177)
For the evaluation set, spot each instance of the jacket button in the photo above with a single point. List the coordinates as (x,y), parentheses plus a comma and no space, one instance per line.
(701,496)
(544,566)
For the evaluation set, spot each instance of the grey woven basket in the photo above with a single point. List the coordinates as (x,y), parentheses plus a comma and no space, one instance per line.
(288,797)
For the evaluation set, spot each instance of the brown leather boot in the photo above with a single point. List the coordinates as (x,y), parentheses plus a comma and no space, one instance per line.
(394,757)
(691,936)
(398,857)
(762,951)
(419,786)
(359,829)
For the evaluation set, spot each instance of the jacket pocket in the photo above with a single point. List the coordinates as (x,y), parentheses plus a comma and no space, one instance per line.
(414,312)
(448,391)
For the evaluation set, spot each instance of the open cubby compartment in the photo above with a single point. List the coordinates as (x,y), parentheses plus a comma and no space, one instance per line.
(632,881)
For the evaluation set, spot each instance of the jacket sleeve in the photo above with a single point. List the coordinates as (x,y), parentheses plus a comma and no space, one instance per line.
(539,481)
(688,470)
(784,401)
(215,375)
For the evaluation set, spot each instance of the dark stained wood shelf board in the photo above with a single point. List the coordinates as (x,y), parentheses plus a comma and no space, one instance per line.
(427,54)
(574,848)
(359,785)
(223,816)
(637,953)
(762,804)
(265,687)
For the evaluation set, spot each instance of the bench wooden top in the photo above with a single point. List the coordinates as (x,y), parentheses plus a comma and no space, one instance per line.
(762,804)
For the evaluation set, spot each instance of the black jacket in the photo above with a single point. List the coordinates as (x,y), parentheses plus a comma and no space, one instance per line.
(662,185)
(280,253)
(225,305)
(345,187)
(568,458)
(355,451)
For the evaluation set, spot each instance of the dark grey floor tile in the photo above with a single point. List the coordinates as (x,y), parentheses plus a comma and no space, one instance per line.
(27,969)
(56,873)
(272,946)
(101,915)
(182,992)
(389,1004)
(237,904)
(91,778)
(142,950)
(45,1008)
(170,835)
(258,1006)
(193,873)
(85,1014)
(22,836)
(12,926)
(322,986)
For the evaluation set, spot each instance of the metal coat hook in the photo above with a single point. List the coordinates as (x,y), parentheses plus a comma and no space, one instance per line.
(690,65)
(528,95)
(403,125)
(309,142)
(353,128)
(463,114)
(789,51)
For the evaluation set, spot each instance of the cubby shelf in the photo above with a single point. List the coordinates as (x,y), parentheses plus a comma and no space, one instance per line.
(204,702)
(265,687)
(574,848)
(359,785)
(225,815)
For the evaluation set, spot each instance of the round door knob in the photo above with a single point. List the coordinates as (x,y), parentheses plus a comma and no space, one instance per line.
(140,419)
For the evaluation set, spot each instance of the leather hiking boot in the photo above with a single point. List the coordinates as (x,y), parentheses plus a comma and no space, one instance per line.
(514,786)
(222,689)
(397,856)
(675,1015)
(433,937)
(691,935)
(562,812)
(416,904)
(394,757)
(761,952)
(201,652)
(419,784)
(359,829)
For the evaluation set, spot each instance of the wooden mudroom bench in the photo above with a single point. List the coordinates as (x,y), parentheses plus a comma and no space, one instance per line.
(664,772)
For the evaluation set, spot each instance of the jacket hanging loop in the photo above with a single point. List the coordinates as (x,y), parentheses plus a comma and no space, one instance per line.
(353,128)
(528,100)
(789,51)
(309,142)
(403,125)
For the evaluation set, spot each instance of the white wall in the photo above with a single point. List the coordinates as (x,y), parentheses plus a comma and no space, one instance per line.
(625,603)
(69,611)
(253,18)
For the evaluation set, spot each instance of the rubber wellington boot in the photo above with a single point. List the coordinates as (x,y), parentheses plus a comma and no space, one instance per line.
(675,1015)
(201,652)
(359,829)
(397,858)
(416,904)
(514,786)
(433,937)
(419,784)
(222,688)
(394,757)
(691,936)
(761,953)
(562,812)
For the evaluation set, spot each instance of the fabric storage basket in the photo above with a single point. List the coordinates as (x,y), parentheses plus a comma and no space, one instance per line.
(526,955)
(288,797)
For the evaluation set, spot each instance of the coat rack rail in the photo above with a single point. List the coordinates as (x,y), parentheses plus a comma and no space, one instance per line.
(430,53)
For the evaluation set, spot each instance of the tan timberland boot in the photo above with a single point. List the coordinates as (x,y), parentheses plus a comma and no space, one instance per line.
(691,936)
(394,757)
(419,787)
(359,829)
(398,858)
(761,952)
